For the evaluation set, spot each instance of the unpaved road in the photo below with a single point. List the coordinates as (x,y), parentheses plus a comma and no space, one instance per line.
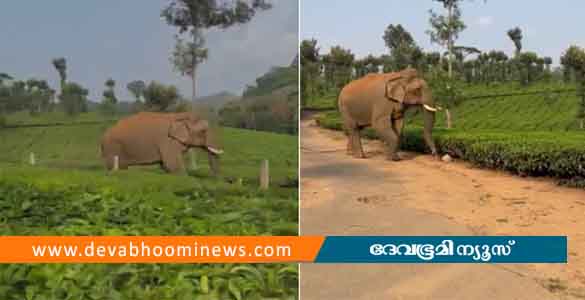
(341,195)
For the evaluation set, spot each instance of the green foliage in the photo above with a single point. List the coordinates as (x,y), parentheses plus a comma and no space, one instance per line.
(205,14)
(60,65)
(551,154)
(39,206)
(108,105)
(574,59)
(32,95)
(310,70)
(70,193)
(276,78)
(515,34)
(445,29)
(74,98)
(188,55)
(159,97)
(271,105)
(338,66)
(446,90)
(403,49)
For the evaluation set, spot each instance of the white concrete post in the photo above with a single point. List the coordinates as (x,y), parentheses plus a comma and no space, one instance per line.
(264,175)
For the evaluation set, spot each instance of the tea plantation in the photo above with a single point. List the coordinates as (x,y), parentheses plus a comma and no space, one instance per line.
(528,135)
(68,192)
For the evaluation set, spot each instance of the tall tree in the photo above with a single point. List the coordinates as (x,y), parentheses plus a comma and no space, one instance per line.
(187,56)
(196,16)
(515,34)
(403,48)
(110,100)
(136,88)
(60,65)
(445,29)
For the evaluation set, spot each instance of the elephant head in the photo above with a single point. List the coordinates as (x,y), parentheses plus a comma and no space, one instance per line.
(407,88)
(195,132)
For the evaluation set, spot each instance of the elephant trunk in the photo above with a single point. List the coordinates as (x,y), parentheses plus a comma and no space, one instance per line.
(429,120)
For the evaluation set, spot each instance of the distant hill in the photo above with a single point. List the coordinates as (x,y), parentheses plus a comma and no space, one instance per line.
(269,105)
(218,100)
(277,78)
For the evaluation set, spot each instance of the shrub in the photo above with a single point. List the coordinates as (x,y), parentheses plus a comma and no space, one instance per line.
(552,154)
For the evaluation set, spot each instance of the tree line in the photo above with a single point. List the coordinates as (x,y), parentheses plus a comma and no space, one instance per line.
(327,73)
(192,18)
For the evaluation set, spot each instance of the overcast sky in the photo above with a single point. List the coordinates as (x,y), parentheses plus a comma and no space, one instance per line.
(549,26)
(127,40)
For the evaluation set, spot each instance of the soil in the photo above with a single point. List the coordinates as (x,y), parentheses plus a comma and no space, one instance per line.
(342,195)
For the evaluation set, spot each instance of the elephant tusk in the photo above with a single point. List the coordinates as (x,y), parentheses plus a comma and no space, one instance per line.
(215,151)
(429,108)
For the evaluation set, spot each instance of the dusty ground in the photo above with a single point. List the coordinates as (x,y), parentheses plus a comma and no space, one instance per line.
(420,196)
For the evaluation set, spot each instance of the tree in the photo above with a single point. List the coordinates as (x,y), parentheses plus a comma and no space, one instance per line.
(446,90)
(136,88)
(527,61)
(160,97)
(341,61)
(60,65)
(403,48)
(309,59)
(38,96)
(110,100)
(195,16)
(187,56)
(574,59)
(515,34)
(74,98)
(445,29)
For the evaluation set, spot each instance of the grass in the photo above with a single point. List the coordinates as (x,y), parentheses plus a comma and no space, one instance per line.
(25,118)
(68,192)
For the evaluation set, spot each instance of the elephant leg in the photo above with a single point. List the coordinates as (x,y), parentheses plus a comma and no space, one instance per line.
(348,129)
(356,144)
(172,160)
(112,151)
(397,126)
(386,132)
(347,132)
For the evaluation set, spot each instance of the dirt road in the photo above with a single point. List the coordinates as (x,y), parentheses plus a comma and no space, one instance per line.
(419,196)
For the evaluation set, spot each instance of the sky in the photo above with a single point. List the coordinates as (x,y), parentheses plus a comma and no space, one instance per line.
(549,27)
(127,40)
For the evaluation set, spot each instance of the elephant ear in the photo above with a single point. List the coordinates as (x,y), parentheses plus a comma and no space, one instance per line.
(395,90)
(414,91)
(199,126)
(179,131)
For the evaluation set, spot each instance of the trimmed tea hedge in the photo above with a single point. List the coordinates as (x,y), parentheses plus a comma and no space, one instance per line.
(553,154)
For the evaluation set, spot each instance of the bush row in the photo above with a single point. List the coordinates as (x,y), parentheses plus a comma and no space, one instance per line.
(51,207)
(552,154)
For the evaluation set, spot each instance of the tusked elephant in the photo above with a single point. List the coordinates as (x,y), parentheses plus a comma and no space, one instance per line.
(379,101)
(159,138)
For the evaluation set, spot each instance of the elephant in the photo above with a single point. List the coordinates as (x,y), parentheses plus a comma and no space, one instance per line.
(380,101)
(159,138)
